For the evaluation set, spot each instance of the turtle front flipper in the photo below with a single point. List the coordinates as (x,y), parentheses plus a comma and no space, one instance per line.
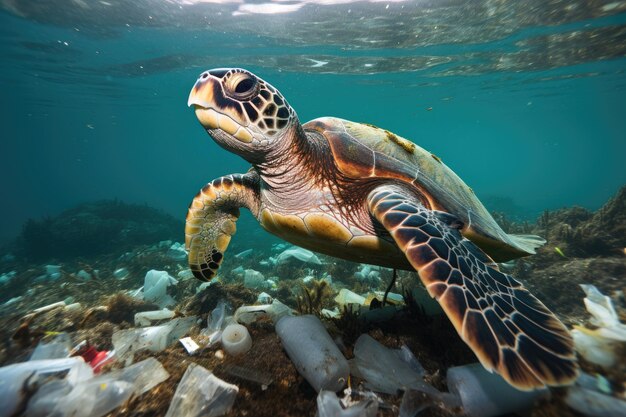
(509,330)
(211,220)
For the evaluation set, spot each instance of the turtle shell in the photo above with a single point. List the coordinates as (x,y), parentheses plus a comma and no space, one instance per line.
(362,150)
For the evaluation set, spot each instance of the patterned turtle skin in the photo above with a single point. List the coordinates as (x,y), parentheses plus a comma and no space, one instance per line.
(364,194)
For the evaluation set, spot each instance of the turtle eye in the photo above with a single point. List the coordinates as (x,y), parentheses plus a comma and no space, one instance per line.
(241,86)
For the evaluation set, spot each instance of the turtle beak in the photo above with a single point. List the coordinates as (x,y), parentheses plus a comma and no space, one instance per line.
(201,98)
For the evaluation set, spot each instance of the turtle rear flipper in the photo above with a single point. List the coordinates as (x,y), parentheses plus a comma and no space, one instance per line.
(509,330)
(211,220)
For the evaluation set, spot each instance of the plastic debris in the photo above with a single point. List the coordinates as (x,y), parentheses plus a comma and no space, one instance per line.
(347,297)
(155,288)
(254,279)
(177,252)
(299,254)
(328,405)
(313,352)
(156,338)
(383,368)
(262,378)
(97,396)
(236,339)
(416,401)
(7,277)
(53,272)
(185,274)
(189,344)
(94,357)
(202,394)
(144,375)
(145,318)
(121,273)
(216,322)
(599,345)
(368,274)
(14,378)
(249,314)
(601,308)
(244,254)
(594,404)
(485,394)
(84,275)
(264,298)
(59,347)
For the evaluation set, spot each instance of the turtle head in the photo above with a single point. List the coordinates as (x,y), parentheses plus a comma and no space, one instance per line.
(241,112)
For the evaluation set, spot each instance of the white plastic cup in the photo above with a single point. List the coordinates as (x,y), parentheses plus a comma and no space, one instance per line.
(236,340)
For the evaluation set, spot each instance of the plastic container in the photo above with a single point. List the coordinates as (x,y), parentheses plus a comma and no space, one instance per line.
(146,317)
(313,352)
(485,394)
(236,340)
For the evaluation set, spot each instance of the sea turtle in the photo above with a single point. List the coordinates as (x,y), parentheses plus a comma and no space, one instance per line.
(361,193)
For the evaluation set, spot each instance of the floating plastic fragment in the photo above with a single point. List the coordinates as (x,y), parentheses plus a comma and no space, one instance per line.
(368,274)
(185,274)
(328,405)
(177,252)
(254,279)
(244,254)
(313,352)
(201,394)
(155,288)
(84,275)
(145,318)
(53,272)
(7,277)
(264,298)
(121,273)
(236,339)
(485,394)
(59,347)
(299,254)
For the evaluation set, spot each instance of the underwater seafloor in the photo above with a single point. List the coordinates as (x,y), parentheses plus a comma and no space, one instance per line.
(98,255)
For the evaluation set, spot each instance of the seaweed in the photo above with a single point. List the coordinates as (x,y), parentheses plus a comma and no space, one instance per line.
(313,298)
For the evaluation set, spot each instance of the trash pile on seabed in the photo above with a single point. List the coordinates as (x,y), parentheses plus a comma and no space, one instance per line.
(599,346)
(79,393)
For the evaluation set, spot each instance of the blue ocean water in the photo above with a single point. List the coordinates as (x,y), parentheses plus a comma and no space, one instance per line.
(525,103)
